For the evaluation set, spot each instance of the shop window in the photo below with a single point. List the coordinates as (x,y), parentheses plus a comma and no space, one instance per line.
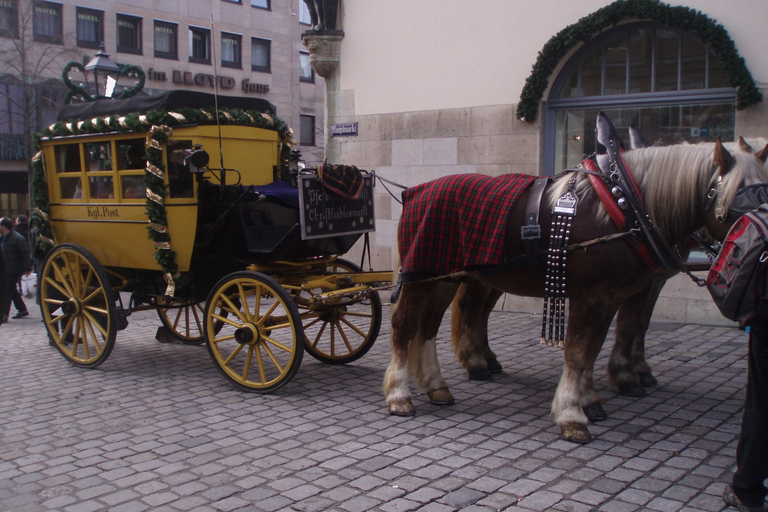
(89,27)
(199,45)
(231,45)
(9,18)
(128,34)
(47,23)
(166,40)
(260,55)
(665,81)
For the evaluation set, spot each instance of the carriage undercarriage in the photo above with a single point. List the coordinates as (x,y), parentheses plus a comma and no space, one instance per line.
(256,323)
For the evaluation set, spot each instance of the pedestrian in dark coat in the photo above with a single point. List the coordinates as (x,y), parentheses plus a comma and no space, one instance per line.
(22,227)
(748,492)
(17,263)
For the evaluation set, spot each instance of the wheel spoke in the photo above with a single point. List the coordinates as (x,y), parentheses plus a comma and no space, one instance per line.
(95,322)
(233,309)
(267,316)
(67,290)
(55,284)
(272,356)
(344,335)
(223,338)
(247,365)
(319,334)
(233,354)
(276,343)
(244,302)
(95,339)
(260,362)
(352,326)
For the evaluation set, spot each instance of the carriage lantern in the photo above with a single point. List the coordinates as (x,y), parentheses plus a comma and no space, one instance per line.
(102,74)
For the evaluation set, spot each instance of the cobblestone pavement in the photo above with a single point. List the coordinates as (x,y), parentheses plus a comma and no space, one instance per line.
(157,428)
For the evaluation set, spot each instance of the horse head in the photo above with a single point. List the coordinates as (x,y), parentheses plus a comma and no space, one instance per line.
(719,219)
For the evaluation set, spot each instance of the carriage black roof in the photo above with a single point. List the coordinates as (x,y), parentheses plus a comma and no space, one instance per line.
(168,101)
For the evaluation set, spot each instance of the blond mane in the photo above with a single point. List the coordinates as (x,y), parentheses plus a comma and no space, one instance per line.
(673,181)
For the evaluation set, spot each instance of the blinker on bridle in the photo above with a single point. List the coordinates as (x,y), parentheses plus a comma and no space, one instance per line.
(714,194)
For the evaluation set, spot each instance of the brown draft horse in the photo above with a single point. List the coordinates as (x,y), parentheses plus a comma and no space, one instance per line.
(628,370)
(674,182)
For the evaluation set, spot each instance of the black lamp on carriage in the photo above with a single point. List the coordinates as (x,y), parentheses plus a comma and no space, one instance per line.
(102,74)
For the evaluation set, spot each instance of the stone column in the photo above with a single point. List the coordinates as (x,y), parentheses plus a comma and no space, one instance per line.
(324,56)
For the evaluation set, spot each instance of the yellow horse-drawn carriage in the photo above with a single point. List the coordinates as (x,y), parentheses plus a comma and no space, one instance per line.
(133,214)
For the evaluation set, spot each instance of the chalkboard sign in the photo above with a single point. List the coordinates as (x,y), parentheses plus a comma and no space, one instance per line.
(323,213)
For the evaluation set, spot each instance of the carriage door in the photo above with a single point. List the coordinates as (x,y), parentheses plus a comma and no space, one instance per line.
(663,80)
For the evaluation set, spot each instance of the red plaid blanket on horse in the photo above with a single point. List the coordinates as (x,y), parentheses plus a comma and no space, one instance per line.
(457,222)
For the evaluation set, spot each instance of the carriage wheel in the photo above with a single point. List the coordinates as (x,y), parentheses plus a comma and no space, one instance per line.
(184,320)
(340,333)
(253,332)
(76,302)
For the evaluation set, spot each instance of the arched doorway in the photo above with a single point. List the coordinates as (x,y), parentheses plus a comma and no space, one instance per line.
(664,80)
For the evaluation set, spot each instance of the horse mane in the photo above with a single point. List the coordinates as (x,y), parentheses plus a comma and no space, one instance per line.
(673,181)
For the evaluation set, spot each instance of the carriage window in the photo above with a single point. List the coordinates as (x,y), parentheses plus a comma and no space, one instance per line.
(71,188)
(99,157)
(68,158)
(665,81)
(133,187)
(180,182)
(132,154)
(101,187)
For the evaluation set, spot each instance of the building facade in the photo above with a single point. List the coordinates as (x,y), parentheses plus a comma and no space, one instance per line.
(238,48)
(439,87)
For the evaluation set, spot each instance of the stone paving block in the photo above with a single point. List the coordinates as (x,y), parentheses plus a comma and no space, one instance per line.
(173,432)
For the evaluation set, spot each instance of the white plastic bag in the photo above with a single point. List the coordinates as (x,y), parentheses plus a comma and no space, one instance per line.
(28,285)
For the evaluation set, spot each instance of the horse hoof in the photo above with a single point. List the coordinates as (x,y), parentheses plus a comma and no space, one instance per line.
(440,396)
(575,433)
(633,390)
(595,412)
(494,366)
(479,374)
(402,408)
(647,379)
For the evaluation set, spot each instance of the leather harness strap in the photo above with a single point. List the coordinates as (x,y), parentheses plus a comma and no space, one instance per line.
(530,231)
(617,215)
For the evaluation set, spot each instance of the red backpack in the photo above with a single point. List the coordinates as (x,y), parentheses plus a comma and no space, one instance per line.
(737,278)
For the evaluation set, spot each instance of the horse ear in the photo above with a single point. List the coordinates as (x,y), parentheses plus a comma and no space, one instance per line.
(636,138)
(606,131)
(723,158)
(744,146)
(762,155)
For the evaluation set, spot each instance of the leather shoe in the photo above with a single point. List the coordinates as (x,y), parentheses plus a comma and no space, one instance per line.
(730,498)
(20,314)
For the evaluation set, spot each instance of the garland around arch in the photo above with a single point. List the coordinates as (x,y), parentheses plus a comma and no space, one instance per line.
(682,18)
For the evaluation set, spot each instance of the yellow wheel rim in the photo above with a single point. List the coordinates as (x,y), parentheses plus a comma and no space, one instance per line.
(253,331)
(76,301)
